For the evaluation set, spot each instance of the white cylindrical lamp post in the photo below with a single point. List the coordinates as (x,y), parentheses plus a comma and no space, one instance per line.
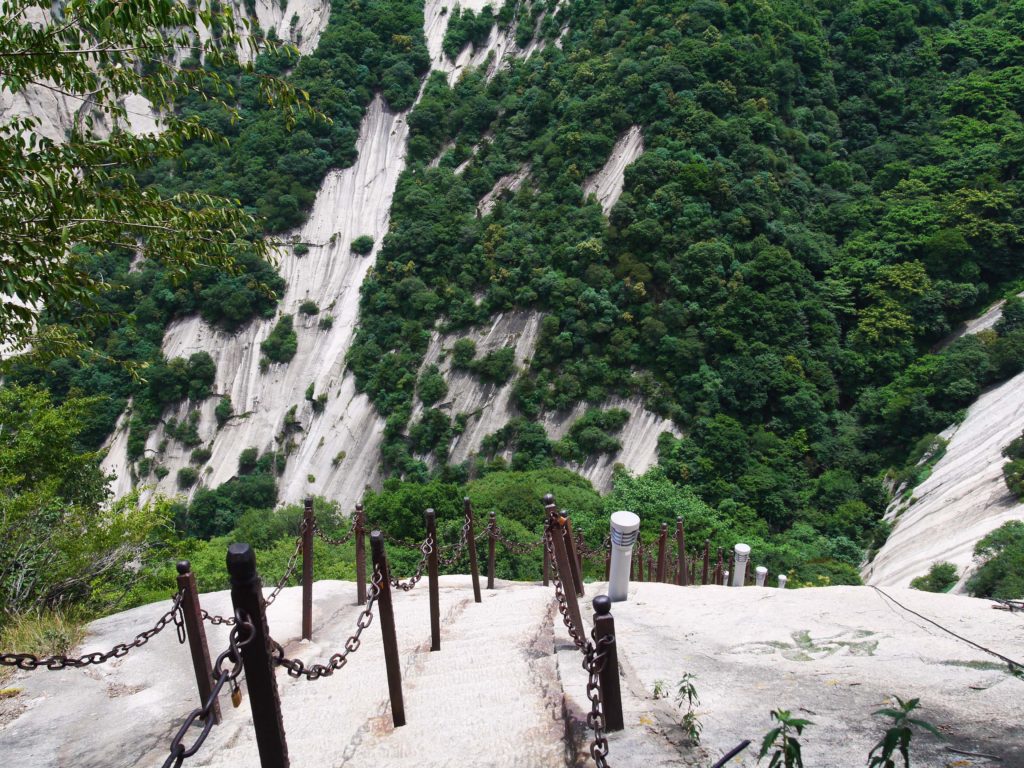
(625,529)
(741,553)
(760,573)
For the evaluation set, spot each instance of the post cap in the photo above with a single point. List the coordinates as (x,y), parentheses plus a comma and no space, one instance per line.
(664,526)
(184,566)
(602,605)
(493,513)
(430,513)
(761,569)
(308,502)
(241,561)
(742,549)
(625,522)
(549,499)
(376,541)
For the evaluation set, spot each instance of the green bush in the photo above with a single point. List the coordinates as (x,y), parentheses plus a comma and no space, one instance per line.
(281,344)
(224,410)
(1001,573)
(432,386)
(463,352)
(247,460)
(362,245)
(326,322)
(309,308)
(940,578)
(300,249)
(187,477)
(200,455)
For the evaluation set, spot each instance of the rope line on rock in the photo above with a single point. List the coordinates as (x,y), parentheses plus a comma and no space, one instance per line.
(1016,667)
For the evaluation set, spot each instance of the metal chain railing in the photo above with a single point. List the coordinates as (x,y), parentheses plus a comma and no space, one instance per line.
(179,751)
(597,553)
(293,562)
(593,662)
(426,548)
(513,546)
(297,668)
(460,547)
(29,661)
(289,571)
(345,537)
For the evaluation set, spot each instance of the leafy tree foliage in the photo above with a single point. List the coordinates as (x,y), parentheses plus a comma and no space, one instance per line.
(1002,563)
(940,577)
(280,346)
(83,189)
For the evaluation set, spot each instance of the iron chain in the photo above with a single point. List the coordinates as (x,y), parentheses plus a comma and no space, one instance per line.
(297,668)
(459,548)
(293,562)
(345,538)
(426,548)
(179,751)
(513,546)
(281,584)
(28,661)
(593,662)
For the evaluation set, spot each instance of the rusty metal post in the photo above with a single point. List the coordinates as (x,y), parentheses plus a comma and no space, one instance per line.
(579,553)
(693,571)
(435,596)
(719,567)
(360,536)
(490,550)
(732,569)
(556,523)
(474,565)
(650,568)
(682,573)
(707,561)
(308,521)
(611,695)
(196,635)
(663,554)
(570,547)
(387,629)
(247,599)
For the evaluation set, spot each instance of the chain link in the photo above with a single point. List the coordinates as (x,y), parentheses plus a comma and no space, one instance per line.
(179,751)
(593,661)
(293,562)
(345,538)
(460,546)
(29,661)
(513,546)
(296,668)
(289,571)
(426,548)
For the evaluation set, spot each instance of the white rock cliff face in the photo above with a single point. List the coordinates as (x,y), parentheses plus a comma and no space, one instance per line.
(964,497)
(607,183)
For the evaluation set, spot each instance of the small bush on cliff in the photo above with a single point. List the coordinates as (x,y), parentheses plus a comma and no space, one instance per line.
(362,245)
(940,577)
(281,344)
(1001,574)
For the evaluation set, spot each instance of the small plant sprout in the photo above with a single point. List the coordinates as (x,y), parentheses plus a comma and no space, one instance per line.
(898,737)
(659,689)
(780,739)
(686,693)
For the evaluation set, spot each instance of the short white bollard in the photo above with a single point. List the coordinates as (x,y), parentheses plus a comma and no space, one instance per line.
(725,578)
(625,529)
(742,555)
(782,581)
(760,573)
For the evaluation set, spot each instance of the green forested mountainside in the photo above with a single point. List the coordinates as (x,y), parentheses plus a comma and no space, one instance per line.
(827,190)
